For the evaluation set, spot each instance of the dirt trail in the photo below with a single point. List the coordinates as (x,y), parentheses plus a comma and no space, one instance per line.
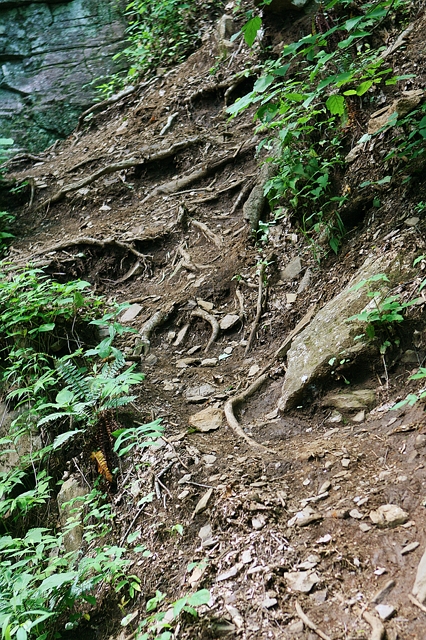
(146,202)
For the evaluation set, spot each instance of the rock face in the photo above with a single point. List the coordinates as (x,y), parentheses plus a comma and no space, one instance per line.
(329,335)
(50,52)
(70,513)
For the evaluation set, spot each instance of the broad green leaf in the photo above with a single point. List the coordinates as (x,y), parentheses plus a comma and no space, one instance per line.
(57,580)
(336,105)
(250,30)
(64,397)
(199,597)
(281,71)
(364,87)
(263,83)
(64,437)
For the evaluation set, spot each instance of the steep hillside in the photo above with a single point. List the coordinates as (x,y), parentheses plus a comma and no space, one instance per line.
(285,482)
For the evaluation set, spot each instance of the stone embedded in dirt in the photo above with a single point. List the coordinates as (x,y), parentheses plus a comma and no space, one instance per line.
(305,281)
(209,419)
(268,602)
(203,502)
(292,270)
(388,515)
(302,581)
(181,336)
(184,363)
(258,522)
(246,556)
(229,321)
(411,222)
(207,306)
(357,515)
(335,417)
(237,618)
(131,313)
(253,371)
(304,517)
(209,362)
(359,417)
(345,462)
(209,460)
(329,333)
(199,394)
(385,611)
(291,298)
(420,441)
(384,592)
(295,628)
(150,360)
(419,588)
(409,548)
(310,563)
(353,400)
(401,106)
(410,357)
(228,574)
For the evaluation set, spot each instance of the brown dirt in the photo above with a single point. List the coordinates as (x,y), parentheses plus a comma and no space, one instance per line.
(255,493)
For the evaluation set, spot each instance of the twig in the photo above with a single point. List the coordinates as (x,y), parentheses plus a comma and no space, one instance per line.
(240,302)
(378,630)
(209,234)
(258,307)
(81,473)
(242,195)
(416,602)
(169,123)
(133,522)
(200,313)
(230,416)
(159,317)
(308,622)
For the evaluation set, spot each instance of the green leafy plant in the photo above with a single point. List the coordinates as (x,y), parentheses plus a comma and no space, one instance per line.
(144,435)
(159,626)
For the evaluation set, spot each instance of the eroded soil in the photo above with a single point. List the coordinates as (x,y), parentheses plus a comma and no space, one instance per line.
(191,249)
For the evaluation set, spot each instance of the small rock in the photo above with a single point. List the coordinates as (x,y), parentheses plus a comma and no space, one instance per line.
(194,349)
(355,400)
(364,527)
(302,581)
(292,270)
(384,592)
(208,419)
(199,394)
(258,523)
(203,502)
(411,222)
(345,462)
(229,321)
(183,494)
(228,574)
(305,281)
(150,360)
(419,588)
(131,313)
(359,417)
(209,459)
(305,517)
(410,357)
(168,386)
(291,298)
(237,618)
(184,363)
(269,602)
(254,370)
(186,478)
(335,417)
(325,487)
(420,441)
(319,596)
(385,611)
(209,362)
(389,515)
(181,335)
(246,556)
(205,532)
(295,628)
(357,515)
(207,306)
(228,350)
(409,548)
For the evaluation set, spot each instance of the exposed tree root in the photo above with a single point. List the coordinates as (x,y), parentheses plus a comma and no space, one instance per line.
(143,344)
(243,195)
(202,171)
(233,422)
(311,625)
(105,103)
(416,602)
(208,233)
(378,630)
(95,242)
(147,155)
(200,313)
(259,307)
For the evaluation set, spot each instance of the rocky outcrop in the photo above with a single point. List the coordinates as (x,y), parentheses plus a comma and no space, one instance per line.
(50,53)
(329,336)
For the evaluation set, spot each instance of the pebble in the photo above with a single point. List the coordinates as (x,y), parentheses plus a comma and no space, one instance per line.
(419,588)
(410,547)
(385,611)
(335,417)
(411,222)
(131,313)
(357,515)
(228,574)
(199,394)
(364,527)
(258,523)
(254,369)
(345,462)
(388,515)
(246,556)
(383,593)
(207,306)
(209,362)
(183,494)
(228,321)
(304,517)
(302,581)
(295,628)
(193,350)
(269,602)
(208,419)
(420,441)
(359,417)
(209,459)
(324,487)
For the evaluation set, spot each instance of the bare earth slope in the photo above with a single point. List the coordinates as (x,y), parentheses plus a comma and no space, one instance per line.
(144,202)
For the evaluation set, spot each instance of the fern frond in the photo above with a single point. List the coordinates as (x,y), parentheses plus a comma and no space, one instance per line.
(75,379)
(113,403)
